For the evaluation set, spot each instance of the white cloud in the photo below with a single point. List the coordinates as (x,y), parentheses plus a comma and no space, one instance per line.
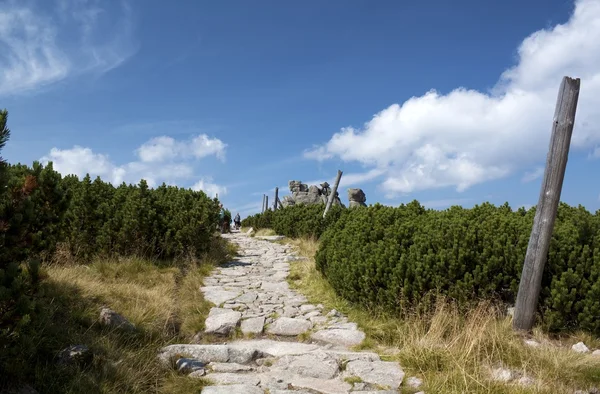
(211,189)
(34,51)
(81,161)
(467,137)
(164,148)
(530,176)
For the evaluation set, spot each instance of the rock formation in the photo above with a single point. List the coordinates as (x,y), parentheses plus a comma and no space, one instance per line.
(356,198)
(301,193)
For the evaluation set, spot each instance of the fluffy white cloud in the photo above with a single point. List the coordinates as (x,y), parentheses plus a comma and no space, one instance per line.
(81,161)
(467,137)
(164,148)
(211,189)
(33,54)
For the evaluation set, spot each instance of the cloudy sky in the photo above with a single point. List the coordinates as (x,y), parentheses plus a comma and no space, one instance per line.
(443,102)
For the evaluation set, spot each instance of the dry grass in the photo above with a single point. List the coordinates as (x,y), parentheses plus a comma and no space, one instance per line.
(163,301)
(453,352)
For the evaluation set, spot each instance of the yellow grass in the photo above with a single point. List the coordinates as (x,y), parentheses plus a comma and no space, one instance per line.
(163,300)
(452,352)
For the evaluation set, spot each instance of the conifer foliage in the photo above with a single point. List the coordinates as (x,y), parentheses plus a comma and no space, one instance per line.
(396,257)
(296,220)
(39,209)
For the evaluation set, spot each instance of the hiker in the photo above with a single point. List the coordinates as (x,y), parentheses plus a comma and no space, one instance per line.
(237,222)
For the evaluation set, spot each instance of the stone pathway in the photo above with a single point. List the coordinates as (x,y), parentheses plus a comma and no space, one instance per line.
(251,294)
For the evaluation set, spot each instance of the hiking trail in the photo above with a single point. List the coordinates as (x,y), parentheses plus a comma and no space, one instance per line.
(296,348)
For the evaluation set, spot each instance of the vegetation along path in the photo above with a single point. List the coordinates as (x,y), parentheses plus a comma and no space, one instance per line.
(289,346)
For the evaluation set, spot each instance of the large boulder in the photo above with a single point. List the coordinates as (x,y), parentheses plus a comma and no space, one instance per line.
(356,198)
(300,193)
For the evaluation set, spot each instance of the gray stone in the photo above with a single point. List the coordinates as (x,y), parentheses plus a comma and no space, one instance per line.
(315,365)
(596,353)
(253,325)
(221,321)
(580,347)
(333,313)
(307,308)
(218,296)
(271,237)
(232,389)
(339,336)
(108,317)
(502,375)
(202,353)
(198,373)
(288,326)
(233,378)
(230,367)
(247,298)
(312,314)
(356,198)
(324,386)
(384,373)
(243,355)
(75,354)
(275,287)
(532,343)
(414,382)
(526,381)
(274,348)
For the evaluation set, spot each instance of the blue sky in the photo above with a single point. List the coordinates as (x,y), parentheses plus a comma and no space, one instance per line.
(444,102)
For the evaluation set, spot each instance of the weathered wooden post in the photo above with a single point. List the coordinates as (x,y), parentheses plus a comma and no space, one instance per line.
(266,202)
(333,191)
(262,209)
(545,214)
(276,198)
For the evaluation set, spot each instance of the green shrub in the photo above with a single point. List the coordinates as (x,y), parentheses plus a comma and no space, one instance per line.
(296,220)
(397,257)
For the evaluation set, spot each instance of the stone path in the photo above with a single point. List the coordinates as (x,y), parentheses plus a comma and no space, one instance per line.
(295,348)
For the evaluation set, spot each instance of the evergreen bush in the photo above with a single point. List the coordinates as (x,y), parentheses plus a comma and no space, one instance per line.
(396,257)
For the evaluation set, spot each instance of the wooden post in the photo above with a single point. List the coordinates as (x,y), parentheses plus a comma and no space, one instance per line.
(545,214)
(276,198)
(332,195)
(262,209)
(266,203)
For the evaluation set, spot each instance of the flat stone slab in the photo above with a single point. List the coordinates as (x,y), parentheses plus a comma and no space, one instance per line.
(271,237)
(275,287)
(202,353)
(384,373)
(226,378)
(289,326)
(339,336)
(324,386)
(275,348)
(318,365)
(254,325)
(232,389)
(229,367)
(217,295)
(221,321)
(247,298)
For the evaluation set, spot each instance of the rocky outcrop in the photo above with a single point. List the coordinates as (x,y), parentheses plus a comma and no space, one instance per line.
(301,193)
(356,198)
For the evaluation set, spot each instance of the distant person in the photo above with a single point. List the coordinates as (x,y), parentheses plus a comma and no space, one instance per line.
(237,221)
